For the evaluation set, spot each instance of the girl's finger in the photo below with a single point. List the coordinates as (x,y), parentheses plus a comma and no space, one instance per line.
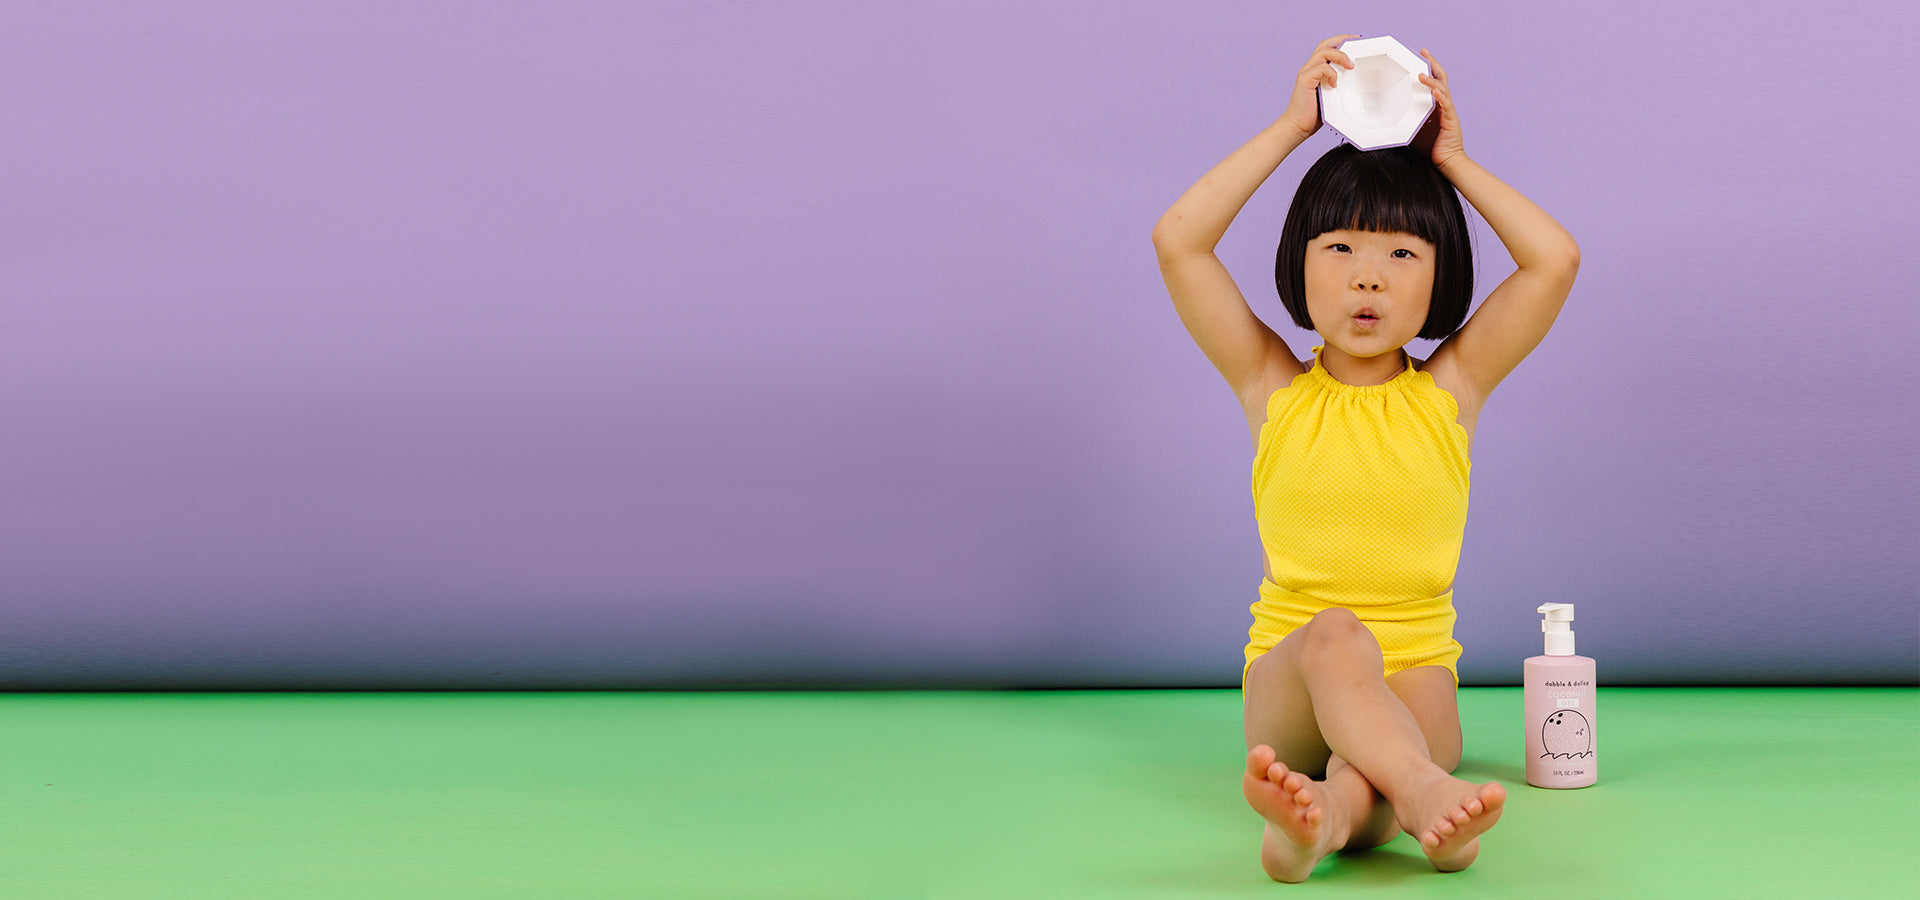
(1336,39)
(1326,55)
(1331,56)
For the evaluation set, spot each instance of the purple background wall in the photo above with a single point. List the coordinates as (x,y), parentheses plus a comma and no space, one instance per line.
(432,345)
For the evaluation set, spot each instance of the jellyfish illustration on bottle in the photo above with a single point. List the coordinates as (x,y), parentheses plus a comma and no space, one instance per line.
(1566,735)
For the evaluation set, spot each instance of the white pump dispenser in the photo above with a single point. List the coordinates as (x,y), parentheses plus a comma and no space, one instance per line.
(1558,625)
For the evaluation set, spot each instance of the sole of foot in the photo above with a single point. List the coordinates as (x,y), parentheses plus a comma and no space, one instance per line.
(1451,819)
(1300,820)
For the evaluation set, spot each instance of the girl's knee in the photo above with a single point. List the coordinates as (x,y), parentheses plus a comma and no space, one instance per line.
(1335,634)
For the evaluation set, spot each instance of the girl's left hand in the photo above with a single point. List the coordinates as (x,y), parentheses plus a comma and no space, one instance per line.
(1440,137)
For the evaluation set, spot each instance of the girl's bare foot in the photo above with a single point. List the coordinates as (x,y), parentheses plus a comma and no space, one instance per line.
(1447,815)
(1305,821)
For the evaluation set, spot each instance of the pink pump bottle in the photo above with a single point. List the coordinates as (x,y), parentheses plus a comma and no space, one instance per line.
(1559,696)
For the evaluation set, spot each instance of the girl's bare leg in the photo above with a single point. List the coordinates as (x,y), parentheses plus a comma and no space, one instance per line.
(1333,665)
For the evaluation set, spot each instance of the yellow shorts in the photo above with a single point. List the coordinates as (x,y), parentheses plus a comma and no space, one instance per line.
(1411,633)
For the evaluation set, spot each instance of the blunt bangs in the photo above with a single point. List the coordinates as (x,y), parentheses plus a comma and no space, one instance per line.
(1395,189)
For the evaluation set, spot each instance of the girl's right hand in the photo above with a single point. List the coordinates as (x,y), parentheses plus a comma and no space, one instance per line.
(1303,110)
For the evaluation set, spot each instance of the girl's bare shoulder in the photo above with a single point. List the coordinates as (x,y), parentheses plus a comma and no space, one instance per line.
(1254,401)
(1449,378)
(1448,375)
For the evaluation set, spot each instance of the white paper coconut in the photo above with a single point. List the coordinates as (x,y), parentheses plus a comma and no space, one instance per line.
(1380,102)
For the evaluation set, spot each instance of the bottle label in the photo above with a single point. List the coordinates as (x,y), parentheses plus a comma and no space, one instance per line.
(1566,734)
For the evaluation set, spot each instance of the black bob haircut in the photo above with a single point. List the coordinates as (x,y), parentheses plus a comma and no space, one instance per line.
(1395,189)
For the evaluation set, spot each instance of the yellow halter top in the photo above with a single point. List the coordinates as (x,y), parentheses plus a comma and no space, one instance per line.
(1361,497)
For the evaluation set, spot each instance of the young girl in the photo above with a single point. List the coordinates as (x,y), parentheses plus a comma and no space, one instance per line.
(1361,463)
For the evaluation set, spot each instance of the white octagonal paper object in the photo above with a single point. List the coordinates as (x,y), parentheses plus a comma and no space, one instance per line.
(1380,102)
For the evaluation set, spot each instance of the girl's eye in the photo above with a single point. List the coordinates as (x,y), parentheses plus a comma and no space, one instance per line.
(1342,248)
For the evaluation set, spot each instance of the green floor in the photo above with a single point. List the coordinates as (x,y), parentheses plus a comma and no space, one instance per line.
(1703,793)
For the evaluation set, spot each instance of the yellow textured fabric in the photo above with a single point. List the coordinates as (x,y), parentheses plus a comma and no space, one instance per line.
(1361,497)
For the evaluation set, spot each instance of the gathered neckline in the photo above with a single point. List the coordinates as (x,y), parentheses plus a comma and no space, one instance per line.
(1319,372)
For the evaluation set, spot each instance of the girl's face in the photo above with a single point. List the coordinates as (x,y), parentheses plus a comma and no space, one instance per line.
(1386,274)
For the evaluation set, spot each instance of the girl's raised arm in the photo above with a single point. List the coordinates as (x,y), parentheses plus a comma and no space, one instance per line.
(1211,306)
(1518,314)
